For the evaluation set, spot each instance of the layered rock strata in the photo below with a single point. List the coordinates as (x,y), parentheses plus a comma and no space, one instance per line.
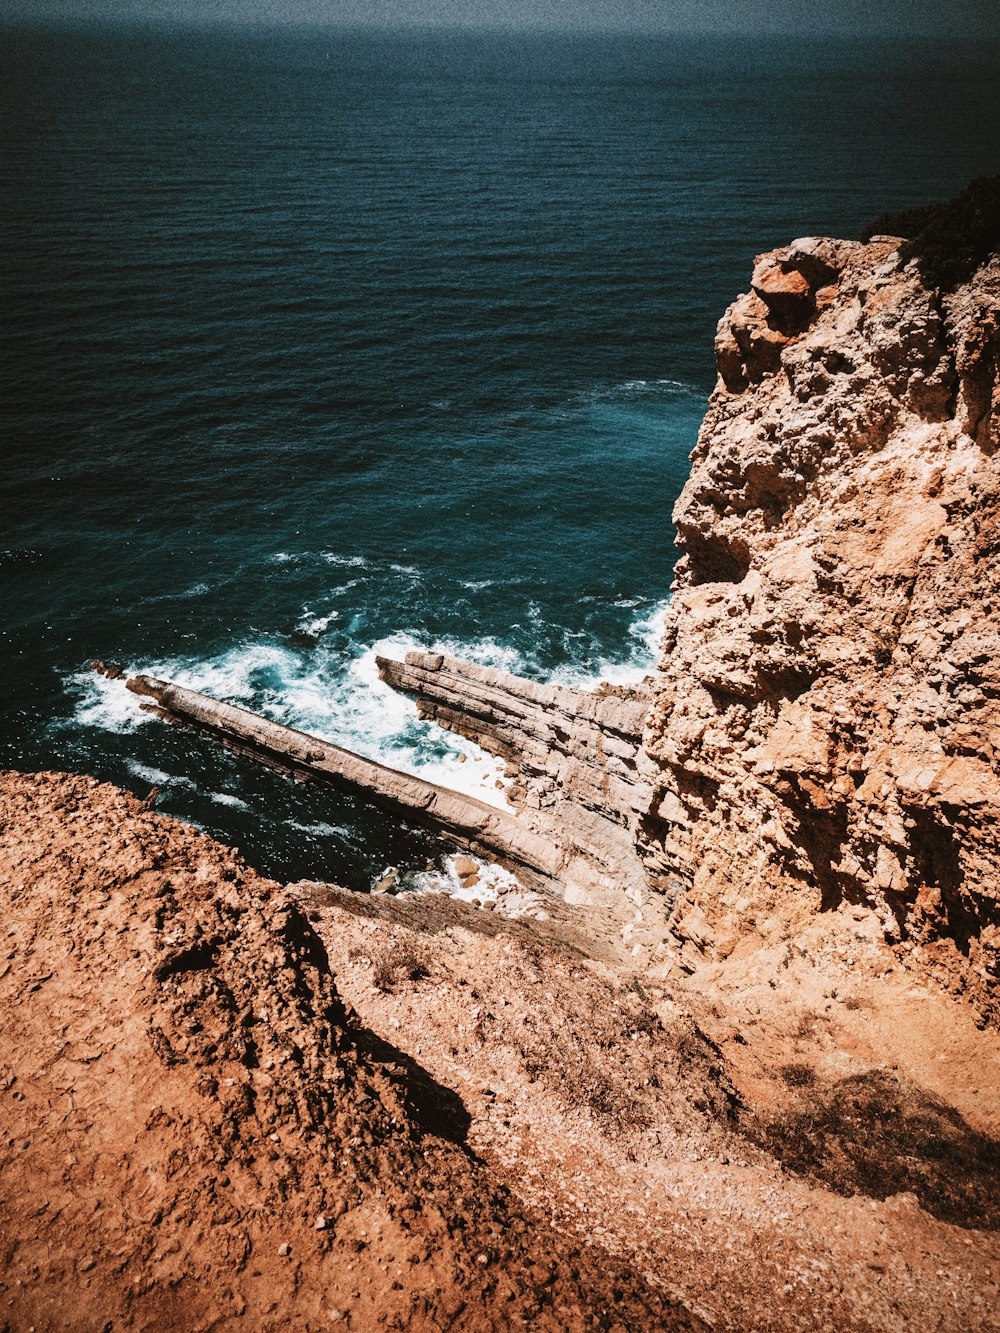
(574,757)
(469,822)
(825,723)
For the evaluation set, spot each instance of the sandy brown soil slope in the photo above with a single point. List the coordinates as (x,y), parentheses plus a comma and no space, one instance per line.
(224,1103)
(797,1138)
(196,1132)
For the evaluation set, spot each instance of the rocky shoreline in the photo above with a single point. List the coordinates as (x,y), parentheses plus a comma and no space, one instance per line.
(727,1058)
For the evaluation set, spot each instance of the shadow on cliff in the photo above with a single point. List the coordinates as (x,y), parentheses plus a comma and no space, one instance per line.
(948,240)
(433,1108)
(875,1135)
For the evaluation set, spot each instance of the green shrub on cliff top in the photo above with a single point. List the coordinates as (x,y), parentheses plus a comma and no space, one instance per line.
(949,241)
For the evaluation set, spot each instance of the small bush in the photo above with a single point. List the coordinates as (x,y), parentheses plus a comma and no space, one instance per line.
(949,241)
(798,1076)
(399,964)
(873,1134)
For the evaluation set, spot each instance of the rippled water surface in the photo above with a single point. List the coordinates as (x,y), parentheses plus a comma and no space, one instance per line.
(326,344)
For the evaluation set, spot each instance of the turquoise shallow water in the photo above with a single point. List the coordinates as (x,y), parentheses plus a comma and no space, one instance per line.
(318,341)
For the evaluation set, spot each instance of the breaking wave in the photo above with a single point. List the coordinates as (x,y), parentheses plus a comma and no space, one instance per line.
(339,696)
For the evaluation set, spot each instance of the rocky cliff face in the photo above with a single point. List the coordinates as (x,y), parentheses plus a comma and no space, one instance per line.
(227,1103)
(827,718)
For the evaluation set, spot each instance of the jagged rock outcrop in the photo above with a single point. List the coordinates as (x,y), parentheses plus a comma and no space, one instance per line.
(826,720)
(825,723)
(827,716)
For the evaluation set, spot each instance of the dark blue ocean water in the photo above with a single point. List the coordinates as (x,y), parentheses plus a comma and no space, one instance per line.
(315,341)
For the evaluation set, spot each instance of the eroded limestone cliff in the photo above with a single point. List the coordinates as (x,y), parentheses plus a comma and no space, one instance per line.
(823,728)
(826,720)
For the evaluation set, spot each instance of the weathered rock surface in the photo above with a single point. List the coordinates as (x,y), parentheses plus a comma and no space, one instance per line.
(825,723)
(827,716)
(824,727)
(224,1103)
(464,819)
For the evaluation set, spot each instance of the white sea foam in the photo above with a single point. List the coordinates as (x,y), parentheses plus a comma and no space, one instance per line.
(641,388)
(346,702)
(644,638)
(156,776)
(315,625)
(105,703)
(321,829)
(345,561)
(491,881)
(195,590)
(227,798)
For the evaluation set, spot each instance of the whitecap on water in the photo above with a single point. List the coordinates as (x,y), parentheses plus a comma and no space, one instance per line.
(315,625)
(156,776)
(227,798)
(641,388)
(645,634)
(105,703)
(345,561)
(321,829)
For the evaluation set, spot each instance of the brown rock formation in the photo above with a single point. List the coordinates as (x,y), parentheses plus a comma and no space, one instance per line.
(825,724)
(828,713)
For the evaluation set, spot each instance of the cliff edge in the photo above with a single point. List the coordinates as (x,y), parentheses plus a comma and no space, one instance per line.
(197,1132)
(827,714)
